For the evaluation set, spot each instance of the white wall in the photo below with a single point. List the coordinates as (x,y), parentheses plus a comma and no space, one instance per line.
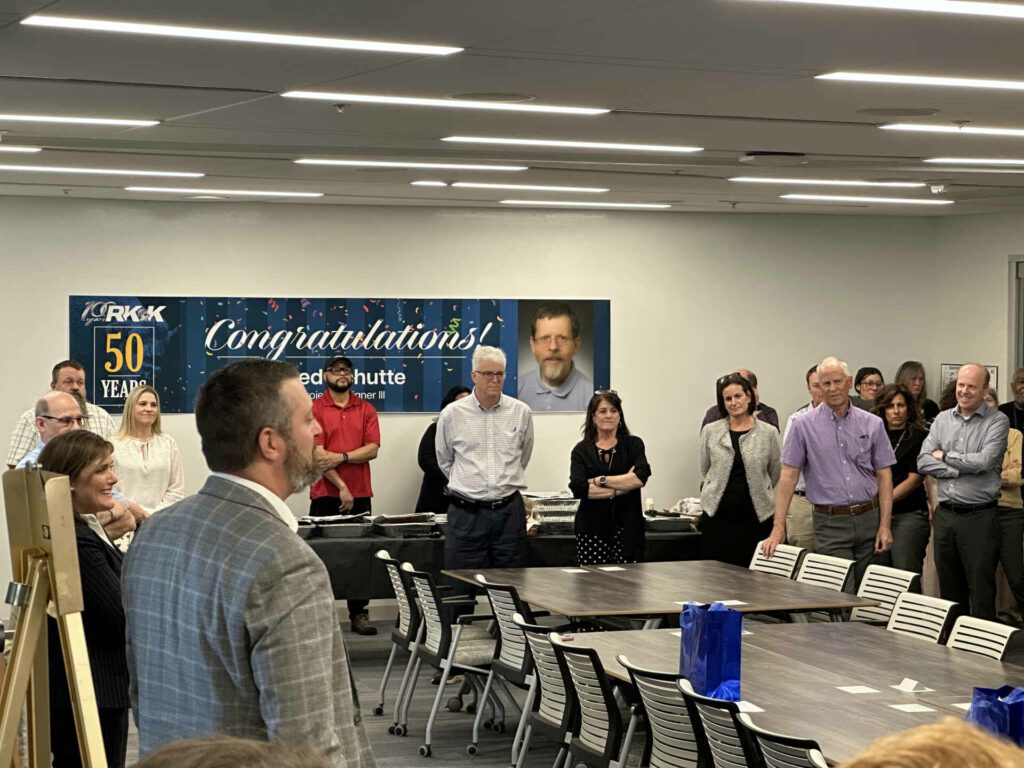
(693,296)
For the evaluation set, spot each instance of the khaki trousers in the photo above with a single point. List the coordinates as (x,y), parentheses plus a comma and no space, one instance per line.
(800,523)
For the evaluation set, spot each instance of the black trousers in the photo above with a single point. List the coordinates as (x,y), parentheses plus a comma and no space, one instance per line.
(485,538)
(64,741)
(328,505)
(966,554)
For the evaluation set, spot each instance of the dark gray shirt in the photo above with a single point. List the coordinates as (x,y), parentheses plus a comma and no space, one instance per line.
(974,455)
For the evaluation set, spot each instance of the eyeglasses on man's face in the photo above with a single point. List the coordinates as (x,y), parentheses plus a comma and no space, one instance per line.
(67,421)
(491,375)
(340,370)
(559,340)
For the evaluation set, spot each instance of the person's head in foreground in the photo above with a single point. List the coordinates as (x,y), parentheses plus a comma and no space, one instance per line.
(949,743)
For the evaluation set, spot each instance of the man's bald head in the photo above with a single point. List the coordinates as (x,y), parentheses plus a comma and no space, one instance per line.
(57,412)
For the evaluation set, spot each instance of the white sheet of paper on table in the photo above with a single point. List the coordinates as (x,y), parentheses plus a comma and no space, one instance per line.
(747,632)
(964,705)
(678,633)
(573,570)
(911,707)
(911,686)
(857,689)
(746,706)
(730,602)
(610,568)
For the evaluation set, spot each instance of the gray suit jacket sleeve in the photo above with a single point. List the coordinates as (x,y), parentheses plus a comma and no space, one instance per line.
(290,617)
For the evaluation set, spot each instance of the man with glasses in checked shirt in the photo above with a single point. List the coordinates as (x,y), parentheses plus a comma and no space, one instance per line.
(483,445)
(67,376)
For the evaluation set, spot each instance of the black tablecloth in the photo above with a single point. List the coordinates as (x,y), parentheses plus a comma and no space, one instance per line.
(355,573)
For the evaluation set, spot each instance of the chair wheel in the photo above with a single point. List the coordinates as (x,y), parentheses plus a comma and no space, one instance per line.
(498,727)
(454,704)
(400,730)
(471,749)
(471,709)
(487,724)
(391,729)
(425,750)
(378,710)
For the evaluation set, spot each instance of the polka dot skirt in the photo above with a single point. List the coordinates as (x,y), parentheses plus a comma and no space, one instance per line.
(592,549)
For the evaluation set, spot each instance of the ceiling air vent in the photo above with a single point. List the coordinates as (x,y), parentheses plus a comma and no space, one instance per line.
(775,159)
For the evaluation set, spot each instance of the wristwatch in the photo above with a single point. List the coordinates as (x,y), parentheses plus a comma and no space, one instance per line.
(344,458)
(602,480)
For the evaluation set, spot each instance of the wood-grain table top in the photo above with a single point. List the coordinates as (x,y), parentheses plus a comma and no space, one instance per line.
(794,672)
(658,588)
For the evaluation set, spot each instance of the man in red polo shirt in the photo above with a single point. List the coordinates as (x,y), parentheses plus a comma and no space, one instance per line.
(349,442)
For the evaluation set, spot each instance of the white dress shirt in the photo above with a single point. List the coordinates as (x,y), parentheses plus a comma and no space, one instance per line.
(275,501)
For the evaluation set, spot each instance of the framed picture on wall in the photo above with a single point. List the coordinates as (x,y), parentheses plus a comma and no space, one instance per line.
(949,371)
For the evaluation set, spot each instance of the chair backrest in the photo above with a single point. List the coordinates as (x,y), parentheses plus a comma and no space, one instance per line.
(438,637)
(722,744)
(989,638)
(511,655)
(408,611)
(883,584)
(673,742)
(554,704)
(598,732)
(778,751)
(783,563)
(922,616)
(825,571)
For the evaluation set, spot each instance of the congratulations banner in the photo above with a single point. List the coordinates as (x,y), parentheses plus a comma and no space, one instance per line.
(406,353)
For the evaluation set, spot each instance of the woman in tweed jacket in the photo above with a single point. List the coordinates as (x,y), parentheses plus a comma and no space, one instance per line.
(739,460)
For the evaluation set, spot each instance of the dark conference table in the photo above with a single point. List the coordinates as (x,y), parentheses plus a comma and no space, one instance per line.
(644,589)
(795,672)
(355,572)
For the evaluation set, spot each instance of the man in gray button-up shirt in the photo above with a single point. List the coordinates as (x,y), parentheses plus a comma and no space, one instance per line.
(964,453)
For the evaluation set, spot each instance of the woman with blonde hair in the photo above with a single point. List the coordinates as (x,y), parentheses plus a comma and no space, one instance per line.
(148,460)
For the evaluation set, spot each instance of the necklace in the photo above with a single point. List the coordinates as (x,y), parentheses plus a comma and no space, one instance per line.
(899,442)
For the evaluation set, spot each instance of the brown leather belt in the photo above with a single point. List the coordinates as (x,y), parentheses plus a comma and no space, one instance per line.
(855,509)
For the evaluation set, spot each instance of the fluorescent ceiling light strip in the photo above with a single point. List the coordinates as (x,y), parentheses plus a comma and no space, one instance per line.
(99,171)
(429,183)
(999,10)
(531,187)
(975,130)
(250,192)
(572,144)
(856,199)
(953,82)
(235,36)
(578,204)
(828,182)
(77,120)
(973,161)
(27,150)
(409,101)
(399,164)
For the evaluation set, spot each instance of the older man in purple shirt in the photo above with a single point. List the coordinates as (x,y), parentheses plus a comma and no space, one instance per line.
(845,457)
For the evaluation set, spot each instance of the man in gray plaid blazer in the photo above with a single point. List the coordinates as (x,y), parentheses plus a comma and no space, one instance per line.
(231,626)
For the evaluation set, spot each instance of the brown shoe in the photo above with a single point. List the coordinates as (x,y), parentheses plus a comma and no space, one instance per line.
(361,625)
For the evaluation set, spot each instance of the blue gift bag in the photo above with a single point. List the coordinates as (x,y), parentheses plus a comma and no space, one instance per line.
(709,651)
(999,711)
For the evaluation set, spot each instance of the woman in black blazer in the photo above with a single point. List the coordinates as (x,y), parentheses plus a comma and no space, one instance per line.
(607,469)
(89,461)
(434,481)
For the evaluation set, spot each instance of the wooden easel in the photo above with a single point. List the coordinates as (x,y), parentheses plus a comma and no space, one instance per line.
(44,557)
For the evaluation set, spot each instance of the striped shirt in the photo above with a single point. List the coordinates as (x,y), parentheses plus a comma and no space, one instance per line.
(24,436)
(484,452)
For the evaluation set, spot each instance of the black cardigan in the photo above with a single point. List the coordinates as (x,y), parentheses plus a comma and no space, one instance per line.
(103,621)
(432,497)
(601,516)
